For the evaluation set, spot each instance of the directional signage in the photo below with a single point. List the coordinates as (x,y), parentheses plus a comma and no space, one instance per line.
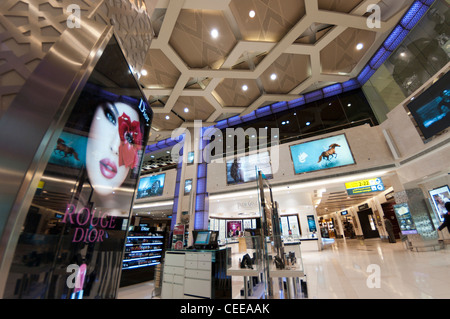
(364,186)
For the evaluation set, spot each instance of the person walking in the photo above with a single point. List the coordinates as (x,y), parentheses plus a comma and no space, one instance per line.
(446,222)
(390,229)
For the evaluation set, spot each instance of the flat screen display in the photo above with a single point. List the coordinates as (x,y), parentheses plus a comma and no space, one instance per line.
(431,110)
(150,186)
(202,238)
(439,196)
(187,186)
(329,152)
(404,219)
(243,169)
(89,184)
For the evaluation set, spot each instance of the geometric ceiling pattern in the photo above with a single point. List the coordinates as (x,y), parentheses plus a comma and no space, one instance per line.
(214,59)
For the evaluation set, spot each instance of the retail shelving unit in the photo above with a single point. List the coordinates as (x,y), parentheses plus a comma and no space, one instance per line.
(143,251)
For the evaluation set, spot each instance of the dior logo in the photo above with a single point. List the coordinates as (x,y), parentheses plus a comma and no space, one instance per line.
(374,19)
(74,19)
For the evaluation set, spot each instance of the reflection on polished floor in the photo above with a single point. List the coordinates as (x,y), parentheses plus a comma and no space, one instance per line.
(348,269)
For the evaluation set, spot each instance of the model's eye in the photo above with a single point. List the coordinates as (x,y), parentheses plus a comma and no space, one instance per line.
(109,114)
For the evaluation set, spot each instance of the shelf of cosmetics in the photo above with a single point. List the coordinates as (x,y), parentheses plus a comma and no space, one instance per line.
(142,251)
(286,239)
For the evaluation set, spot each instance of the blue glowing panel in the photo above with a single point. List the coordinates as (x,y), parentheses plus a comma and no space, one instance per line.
(321,154)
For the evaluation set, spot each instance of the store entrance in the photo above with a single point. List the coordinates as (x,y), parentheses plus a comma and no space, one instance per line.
(368,223)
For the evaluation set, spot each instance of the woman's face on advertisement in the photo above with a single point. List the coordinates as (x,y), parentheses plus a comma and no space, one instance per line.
(105,145)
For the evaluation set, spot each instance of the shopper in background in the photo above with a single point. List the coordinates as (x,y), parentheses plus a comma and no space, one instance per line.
(446,222)
(390,229)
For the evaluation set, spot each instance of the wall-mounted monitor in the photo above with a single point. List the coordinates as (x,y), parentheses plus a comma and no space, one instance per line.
(187,186)
(431,109)
(344,212)
(243,169)
(150,186)
(439,196)
(329,152)
(234,227)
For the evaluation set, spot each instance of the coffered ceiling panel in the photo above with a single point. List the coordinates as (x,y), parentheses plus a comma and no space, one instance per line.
(194,40)
(278,49)
(159,71)
(339,5)
(343,53)
(287,72)
(237,92)
(193,108)
(272,18)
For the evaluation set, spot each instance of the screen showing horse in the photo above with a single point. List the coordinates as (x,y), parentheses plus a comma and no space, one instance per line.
(321,154)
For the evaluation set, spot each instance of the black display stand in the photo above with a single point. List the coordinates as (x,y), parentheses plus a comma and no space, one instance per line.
(143,251)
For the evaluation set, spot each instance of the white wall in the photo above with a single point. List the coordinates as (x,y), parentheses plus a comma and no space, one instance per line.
(367,143)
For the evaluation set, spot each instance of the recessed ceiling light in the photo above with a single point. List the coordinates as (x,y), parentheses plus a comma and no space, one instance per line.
(144,72)
(244,87)
(349,104)
(214,33)
(359,46)
(186,110)
(308,123)
(167,117)
(252,13)
(273,76)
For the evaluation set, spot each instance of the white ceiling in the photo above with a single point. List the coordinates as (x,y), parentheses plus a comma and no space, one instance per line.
(308,44)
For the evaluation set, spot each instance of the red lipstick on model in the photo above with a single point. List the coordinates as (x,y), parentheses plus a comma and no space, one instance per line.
(108,168)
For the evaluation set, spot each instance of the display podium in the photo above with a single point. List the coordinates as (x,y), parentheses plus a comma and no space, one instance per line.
(196,274)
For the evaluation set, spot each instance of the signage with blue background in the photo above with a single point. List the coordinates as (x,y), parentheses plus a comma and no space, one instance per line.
(150,186)
(321,154)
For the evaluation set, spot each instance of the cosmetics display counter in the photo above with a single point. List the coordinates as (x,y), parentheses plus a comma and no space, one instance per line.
(143,251)
(196,274)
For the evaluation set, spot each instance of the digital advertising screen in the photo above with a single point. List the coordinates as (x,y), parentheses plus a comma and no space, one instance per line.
(187,186)
(431,109)
(89,183)
(439,196)
(321,154)
(234,227)
(404,219)
(243,169)
(150,186)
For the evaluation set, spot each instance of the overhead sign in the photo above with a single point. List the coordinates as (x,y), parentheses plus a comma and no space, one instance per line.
(364,186)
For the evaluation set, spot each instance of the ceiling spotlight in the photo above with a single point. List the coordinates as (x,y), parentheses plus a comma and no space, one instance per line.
(273,76)
(359,46)
(244,87)
(167,117)
(186,110)
(349,104)
(144,72)
(252,13)
(308,123)
(214,33)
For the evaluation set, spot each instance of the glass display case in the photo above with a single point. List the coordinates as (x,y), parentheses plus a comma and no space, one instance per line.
(245,262)
(142,251)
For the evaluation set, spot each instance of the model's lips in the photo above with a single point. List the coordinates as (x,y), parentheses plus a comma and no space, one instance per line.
(108,168)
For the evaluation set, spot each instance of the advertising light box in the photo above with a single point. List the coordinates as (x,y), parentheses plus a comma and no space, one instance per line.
(321,154)
(243,169)
(150,186)
(404,219)
(439,197)
(364,186)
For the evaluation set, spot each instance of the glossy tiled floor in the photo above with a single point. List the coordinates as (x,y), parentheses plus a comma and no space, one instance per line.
(361,269)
